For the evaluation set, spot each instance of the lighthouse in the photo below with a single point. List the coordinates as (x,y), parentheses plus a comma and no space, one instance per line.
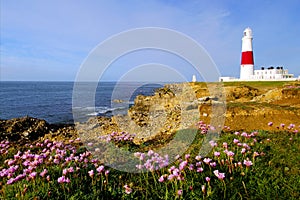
(247,61)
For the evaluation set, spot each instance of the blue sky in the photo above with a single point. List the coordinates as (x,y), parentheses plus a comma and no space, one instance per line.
(49,40)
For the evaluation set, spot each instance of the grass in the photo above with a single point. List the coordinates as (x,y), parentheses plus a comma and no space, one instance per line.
(256,165)
(259,84)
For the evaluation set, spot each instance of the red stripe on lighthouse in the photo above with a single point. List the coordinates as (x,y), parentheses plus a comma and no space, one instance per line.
(247,58)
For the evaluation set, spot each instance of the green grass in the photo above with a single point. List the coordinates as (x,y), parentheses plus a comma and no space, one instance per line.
(273,175)
(258,84)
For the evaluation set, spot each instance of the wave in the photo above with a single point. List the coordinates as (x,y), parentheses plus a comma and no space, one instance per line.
(101,111)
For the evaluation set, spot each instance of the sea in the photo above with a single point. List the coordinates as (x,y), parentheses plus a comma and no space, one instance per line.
(52,101)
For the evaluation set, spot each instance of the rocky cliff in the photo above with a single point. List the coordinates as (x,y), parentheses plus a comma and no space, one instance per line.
(175,107)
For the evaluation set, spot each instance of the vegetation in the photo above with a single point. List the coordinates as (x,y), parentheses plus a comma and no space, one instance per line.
(254,165)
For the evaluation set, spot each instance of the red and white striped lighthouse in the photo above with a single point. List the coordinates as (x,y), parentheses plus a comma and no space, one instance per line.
(247,61)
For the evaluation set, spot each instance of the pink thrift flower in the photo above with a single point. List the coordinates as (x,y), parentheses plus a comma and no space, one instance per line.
(248,163)
(235,141)
(207,179)
(213,143)
(128,190)
(243,150)
(71,170)
(65,171)
(244,134)
(217,154)
(220,176)
(198,158)
(187,156)
(213,164)
(255,154)
(150,152)
(230,154)
(206,160)
(199,169)
(270,123)
(179,192)
(61,179)
(44,172)
(182,165)
(161,179)
(91,173)
(225,145)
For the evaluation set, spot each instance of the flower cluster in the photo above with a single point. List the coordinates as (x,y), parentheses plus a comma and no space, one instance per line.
(151,161)
(117,137)
(291,127)
(29,165)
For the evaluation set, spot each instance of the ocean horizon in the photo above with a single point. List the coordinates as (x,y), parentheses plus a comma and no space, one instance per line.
(52,100)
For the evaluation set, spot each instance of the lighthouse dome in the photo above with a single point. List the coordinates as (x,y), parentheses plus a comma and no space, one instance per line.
(248,32)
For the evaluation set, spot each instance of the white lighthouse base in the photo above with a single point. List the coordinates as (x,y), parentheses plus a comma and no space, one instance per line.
(246,72)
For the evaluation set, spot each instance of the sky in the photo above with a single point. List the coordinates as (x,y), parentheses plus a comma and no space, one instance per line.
(51,40)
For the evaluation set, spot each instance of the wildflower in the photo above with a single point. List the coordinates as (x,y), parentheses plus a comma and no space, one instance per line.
(10,181)
(71,170)
(220,176)
(217,154)
(255,154)
(248,163)
(199,169)
(91,173)
(236,133)
(207,179)
(56,161)
(61,179)
(198,158)
(230,153)
(187,156)
(44,172)
(225,145)
(32,175)
(179,192)
(213,164)
(48,178)
(270,123)
(161,179)
(206,160)
(182,165)
(150,152)
(243,150)
(128,190)
(171,176)
(235,141)
(213,143)
(65,171)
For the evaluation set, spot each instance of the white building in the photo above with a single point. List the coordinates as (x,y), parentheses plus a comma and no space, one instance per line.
(247,72)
